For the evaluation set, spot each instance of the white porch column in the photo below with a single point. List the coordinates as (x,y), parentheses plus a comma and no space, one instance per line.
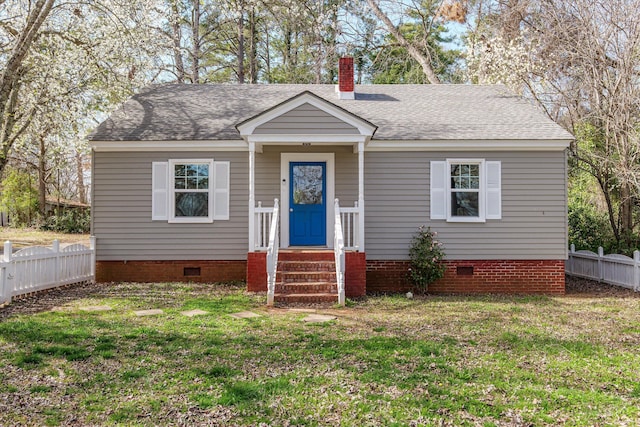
(361,195)
(252,203)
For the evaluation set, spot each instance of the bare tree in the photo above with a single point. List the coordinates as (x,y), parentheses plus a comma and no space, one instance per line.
(580,61)
(175,34)
(21,40)
(431,13)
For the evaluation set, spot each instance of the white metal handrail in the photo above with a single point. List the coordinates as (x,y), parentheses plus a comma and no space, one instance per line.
(263,220)
(272,253)
(338,248)
(350,218)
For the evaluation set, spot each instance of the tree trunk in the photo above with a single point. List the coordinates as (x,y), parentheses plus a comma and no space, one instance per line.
(6,127)
(42,178)
(606,191)
(253,52)
(626,214)
(10,76)
(195,72)
(422,58)
(176,35)
(240,53)
(267,59)
(318,60)
(82,189)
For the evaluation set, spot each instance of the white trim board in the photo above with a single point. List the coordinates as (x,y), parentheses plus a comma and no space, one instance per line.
(208,145)
(299,139)
(371,145)
(467,145)
(285,159)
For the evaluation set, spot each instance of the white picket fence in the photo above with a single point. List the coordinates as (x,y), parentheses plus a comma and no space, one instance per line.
(615,269)
(38,268)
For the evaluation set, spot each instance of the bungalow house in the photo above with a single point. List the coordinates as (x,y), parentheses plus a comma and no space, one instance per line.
(275,184)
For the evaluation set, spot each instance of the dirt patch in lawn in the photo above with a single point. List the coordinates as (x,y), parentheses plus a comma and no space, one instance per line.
(590,288)
(387,360)
(49,300)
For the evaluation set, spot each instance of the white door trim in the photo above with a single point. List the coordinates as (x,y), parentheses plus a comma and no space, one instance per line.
(285,159)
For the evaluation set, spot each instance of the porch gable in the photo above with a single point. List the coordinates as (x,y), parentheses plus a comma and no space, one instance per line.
(306,114)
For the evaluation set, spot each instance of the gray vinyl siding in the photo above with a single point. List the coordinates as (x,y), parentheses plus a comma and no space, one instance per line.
(533,224)
(122,204)
(306,119)
(122,212)
(534,207)
(268,172)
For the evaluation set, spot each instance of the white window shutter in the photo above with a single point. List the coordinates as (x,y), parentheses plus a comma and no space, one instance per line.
(160,192)
(494,190)
(438,190)
(221,190)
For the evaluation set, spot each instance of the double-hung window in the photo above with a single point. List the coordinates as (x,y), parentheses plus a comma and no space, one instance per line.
(466,190)
(190,191)
(192,198)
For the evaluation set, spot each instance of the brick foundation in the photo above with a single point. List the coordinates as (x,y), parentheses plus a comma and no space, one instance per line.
(257,272)
(387,276)
(361,276)
(495,276)
(171,271)
(355,274)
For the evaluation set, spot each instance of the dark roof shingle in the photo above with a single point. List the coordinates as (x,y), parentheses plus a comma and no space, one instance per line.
(404,112)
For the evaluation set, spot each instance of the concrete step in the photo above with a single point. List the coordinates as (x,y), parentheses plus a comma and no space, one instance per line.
(305,255)
(305,276)
(307,288)
(307,265)
(306,298)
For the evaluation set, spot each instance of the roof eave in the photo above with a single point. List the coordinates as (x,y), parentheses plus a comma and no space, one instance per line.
(172,145)
(469,145)
(373,144)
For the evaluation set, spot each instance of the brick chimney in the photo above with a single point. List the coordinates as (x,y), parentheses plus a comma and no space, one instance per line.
(345,87)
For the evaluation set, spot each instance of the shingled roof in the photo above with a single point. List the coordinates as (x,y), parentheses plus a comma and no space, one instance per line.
(177,112)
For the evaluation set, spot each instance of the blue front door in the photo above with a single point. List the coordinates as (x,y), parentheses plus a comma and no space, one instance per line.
(307,204)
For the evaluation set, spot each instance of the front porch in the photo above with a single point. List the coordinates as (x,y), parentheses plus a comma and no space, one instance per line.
(307,222)
(327,243)
(311,274)
(306,154)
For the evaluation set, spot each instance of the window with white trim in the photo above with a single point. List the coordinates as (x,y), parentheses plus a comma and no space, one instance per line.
(190,191)
(191,198)
(466,190)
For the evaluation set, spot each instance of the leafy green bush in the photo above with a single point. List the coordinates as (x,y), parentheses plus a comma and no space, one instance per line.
(588,228)
(19,198)
(69,221)
(426,256)
(626,246)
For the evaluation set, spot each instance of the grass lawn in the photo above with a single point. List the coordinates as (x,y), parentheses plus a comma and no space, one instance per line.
(435,360)
(23,237)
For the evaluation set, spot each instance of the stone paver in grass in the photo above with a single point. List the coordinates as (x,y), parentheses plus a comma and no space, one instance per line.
(152,312)
(319,318)
(302,310)
(244,315)
(95,308)
(196,312)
